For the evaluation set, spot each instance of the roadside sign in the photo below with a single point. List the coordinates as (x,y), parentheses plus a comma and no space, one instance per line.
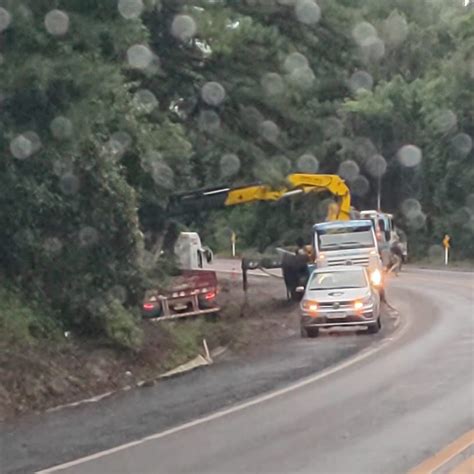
(446,245)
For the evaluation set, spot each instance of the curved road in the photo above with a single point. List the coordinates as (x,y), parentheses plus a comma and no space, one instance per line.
(384,412)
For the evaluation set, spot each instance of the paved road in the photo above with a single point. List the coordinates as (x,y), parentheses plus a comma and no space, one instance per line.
(385,413)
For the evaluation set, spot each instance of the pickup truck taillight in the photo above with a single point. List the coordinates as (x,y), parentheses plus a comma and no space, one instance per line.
(148,306)
(210,295)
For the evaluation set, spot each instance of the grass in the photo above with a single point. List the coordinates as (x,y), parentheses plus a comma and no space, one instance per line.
(22,323)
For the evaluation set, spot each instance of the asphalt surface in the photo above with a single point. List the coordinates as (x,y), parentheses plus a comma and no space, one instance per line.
(410,395)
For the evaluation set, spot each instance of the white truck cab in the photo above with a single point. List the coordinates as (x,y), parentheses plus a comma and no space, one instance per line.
(353,242)
(190,252)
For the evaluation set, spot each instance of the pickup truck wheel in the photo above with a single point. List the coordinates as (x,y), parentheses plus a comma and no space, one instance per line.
(374,328)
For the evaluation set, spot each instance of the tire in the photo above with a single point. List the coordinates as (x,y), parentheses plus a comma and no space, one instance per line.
(374,328)
(309,332)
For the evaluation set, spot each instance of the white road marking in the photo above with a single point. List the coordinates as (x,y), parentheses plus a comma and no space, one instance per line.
(222,413)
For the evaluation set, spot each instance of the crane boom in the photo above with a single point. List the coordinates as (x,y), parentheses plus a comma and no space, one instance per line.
(296,184)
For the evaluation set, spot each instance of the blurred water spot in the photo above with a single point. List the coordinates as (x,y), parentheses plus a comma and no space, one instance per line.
(363,33)
(213,93)
(52,245)
(229,165)
(88,236)
(269,130)
(145,101)
(373,49)
(333,127)
(376,166)
(282,163)
(122,139)
(295,61)
(302,77)
(209,121)
(435,252)
(409,155)
(410,207)
(416,221)
(57,22)
(139,56)
(307,163)
(364,148)
(272,84)
(395,29)
(462,142)
(348,170)
(21,147)
(461,216)
(183,27)
(359,186)
(361,80)
(307,11)
(444,121)
(163,175)
(5,19)
(69,183)
(34,139)
(118,293)
(61,128)
(130,9)
(63,166)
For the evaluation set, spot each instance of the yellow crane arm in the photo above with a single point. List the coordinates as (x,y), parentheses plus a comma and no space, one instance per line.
(298,183)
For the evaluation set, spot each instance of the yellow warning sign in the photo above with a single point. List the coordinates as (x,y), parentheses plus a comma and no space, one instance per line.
(446,241)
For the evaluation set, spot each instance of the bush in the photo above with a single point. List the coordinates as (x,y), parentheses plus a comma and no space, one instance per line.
(22,321)
(120,325)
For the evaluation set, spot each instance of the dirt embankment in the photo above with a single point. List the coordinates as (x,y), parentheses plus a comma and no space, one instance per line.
(44,376)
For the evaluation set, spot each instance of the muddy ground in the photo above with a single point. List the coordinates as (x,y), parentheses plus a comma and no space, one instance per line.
(45,376)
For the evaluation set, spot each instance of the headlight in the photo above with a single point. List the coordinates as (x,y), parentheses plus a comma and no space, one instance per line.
(359,304)
(310,306)
(376,277)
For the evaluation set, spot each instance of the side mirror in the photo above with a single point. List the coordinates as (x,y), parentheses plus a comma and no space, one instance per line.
(299,289)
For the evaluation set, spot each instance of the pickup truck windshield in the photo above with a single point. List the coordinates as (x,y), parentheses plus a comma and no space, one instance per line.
(341,238)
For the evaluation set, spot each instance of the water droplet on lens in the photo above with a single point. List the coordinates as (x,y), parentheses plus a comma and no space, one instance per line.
(410,207)
(213,93)
(302,77)
(444,121)
(52,245)
(130,9)
(57,22)
(307,11)
(272,84)
(363,32)
(183,27)
(348,170)
(139,56)
(88,236)
(145,100)
(209,121)
(34,139)
(409,155)
(230,165)
(295,61)
(269,130)
(395,29)
(361,80)
(376,166)
(61,128)
(436,252)
(5,19)
(462,142)
(360,186)
(21,147)
(308,163)
(69,183)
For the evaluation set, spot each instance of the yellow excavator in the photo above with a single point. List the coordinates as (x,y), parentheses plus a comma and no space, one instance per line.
(296,184)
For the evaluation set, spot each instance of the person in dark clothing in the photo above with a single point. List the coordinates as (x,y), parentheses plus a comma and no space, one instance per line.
(300,246)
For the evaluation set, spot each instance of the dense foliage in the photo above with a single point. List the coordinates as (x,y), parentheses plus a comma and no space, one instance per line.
(109,106)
